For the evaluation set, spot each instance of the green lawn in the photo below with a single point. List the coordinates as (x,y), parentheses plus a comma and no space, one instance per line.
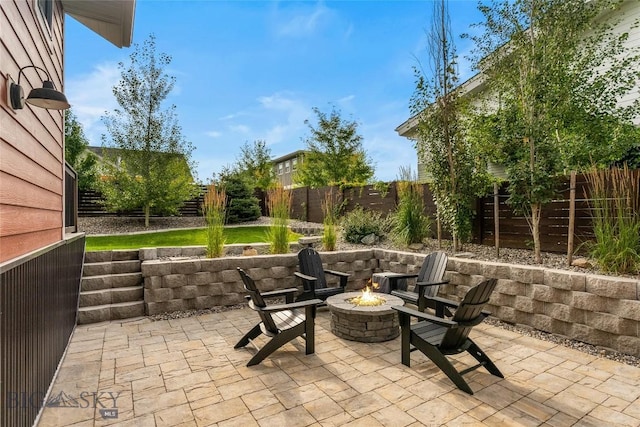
(191,237)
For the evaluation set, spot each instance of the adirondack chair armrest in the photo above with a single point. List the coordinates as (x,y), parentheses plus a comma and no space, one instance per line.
(421,284)
(281,307)
(288,293)
(310,280)
(444,302)
(343,276)
(405,311)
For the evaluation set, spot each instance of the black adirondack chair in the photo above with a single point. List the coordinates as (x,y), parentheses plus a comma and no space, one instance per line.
(438,337)
(314,279)
(281,322)
(429,279)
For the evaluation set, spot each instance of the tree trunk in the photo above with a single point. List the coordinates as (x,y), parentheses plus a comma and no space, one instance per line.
(146,216)
(536,210)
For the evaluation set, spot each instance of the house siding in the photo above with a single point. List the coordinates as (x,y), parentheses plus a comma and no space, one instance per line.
(31,139)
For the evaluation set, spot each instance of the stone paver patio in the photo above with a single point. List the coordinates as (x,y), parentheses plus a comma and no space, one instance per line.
(185,372)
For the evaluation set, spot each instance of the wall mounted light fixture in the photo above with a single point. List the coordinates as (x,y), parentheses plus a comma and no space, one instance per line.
(45,97)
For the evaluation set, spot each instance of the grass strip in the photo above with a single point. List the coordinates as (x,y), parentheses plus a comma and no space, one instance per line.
(171,238)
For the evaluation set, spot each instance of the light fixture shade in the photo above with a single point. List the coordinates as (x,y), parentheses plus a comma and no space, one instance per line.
(48,97)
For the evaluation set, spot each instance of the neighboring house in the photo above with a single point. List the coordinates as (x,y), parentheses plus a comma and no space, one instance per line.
(286,166)
(40,263)
(112,153)
(476,88)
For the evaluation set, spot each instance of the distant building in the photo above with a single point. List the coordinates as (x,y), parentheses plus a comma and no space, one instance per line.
(286,166)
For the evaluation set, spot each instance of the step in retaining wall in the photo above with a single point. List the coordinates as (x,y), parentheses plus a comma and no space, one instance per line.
(599,310)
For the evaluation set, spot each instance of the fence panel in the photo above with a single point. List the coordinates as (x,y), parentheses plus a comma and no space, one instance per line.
(38,306)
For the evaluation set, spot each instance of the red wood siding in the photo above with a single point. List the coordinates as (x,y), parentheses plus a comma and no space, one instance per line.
(31,139)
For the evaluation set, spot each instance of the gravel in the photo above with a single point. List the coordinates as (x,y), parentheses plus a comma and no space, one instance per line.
(122,225)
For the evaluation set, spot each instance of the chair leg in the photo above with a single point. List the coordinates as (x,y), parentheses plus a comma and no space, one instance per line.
(484,360)
(405,338)
(275,343)
(443,363)
(310,331)
(253,333)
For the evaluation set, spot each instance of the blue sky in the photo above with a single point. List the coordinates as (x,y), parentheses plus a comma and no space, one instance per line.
(255,69)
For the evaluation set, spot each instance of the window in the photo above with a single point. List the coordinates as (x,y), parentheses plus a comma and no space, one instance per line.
(294,164)
(46,10)
(280,168)
(287,166)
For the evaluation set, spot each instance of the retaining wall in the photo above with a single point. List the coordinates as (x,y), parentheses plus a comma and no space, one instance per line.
(600,310)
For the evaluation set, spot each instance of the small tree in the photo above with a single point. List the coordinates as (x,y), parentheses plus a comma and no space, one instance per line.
(255,164)
(151,168)
(84,162)
(549,62)
(335,155)
(242,205)
(443,146)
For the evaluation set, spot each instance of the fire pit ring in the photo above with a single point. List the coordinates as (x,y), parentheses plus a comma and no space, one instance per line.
(364,323)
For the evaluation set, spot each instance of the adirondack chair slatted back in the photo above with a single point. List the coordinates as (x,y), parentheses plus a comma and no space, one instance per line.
(311,265)
(432,270)
(468,311)
(270,327)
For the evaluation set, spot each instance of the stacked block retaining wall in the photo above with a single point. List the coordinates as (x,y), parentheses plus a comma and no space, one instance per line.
(600,310)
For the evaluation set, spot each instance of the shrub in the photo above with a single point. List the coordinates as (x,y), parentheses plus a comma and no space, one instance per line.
(615,203)
(360,223)
(410,224)
(243,205)
(215,201)
(279,203)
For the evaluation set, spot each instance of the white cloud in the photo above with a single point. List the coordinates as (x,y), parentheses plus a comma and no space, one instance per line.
(301,23)
(244,129)
(214,134)
(91,95)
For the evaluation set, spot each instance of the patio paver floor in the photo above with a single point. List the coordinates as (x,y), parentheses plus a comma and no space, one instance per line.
(185,372)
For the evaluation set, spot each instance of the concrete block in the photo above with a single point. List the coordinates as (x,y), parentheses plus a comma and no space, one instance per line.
(199,279)
(148,254)
(506,314)
(124,255)
(155,268)
(154,282)
(542,322)
(566,280)
(186,292)
(127,310)
(612,324)
(174,281)
(542,293)
(152,308)
(158,295)
(510,287)
(588,302)
(185,267)
(96,269)
(129,266)
(280,272)
(203,302)
(169,252)
(94,314)
(627,345)
(527,274)
(612,287)
(193,251)
(467,266)
(496,270)
(628,309)
(564,313)
(229,276)
(97,256)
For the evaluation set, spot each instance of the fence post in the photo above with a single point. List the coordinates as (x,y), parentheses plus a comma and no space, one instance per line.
(572,217)
(496,218)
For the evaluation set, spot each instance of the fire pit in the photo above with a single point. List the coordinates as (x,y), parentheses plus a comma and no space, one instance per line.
(364,316)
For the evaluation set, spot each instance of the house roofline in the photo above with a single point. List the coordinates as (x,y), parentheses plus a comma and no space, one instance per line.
(112,19)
